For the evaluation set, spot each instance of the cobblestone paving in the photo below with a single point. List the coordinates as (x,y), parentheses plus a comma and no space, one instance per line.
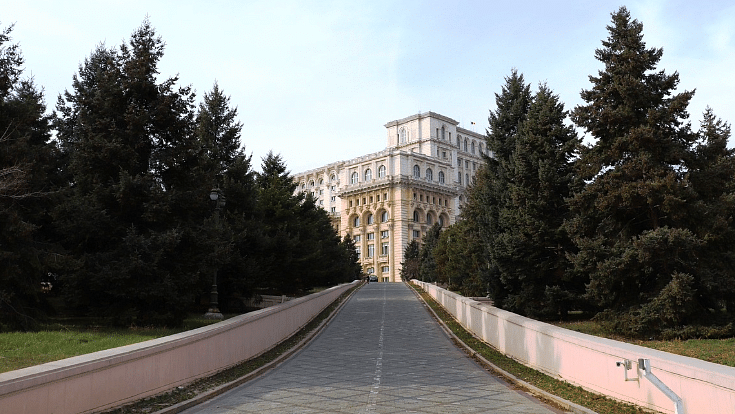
(382,353)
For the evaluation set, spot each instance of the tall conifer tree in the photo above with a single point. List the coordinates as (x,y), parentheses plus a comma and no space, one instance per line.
(128,214)
(28,175)
(711,173)
(630,220)
(531,244)
(490,189)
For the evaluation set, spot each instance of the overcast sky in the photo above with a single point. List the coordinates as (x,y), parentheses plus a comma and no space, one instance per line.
(316,80)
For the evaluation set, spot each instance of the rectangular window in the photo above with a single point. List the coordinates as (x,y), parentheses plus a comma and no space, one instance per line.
(350,203)
(385,269)
(416,234)
(384,249)
(384,234)
(321,192)
(357,250)
(378,197)
(371,236)
(385,196)
(371,250)
(356,238)
(321,202)
(334,209)
(334,198)
(371,199)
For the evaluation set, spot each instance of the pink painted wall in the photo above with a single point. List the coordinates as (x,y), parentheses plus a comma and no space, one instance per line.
(590,362)
(109,378)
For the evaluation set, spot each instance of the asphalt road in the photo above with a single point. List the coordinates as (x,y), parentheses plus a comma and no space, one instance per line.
(382,353)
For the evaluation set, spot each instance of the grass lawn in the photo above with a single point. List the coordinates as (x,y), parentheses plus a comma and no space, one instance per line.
(719,351)
(68,338)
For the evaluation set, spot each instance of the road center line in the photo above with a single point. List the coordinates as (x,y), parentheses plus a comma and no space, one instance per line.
(373,398)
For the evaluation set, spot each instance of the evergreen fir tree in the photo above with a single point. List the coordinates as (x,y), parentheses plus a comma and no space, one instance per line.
(460,260)
(352,270)
(226,167)
(278,211)
(219,131)
(531,245)
(427,259)
(490,190)
(629,222)
(410,264)
(131,217)
(28,176)
(710,215)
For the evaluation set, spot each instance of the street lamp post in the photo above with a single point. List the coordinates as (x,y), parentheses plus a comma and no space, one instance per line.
(213,312)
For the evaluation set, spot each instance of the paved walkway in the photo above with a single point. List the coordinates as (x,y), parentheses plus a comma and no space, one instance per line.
(382,353)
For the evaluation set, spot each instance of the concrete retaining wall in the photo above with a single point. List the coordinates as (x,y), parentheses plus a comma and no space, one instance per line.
(105,379)
(590,362)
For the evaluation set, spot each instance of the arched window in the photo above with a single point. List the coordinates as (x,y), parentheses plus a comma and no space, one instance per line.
(381,171)
(472,147)
(311,184)
(465,144)
(332,178)
(467,179)
(428,219)
(416,171)
(368,175)
(443,133)
(384,217)
(303,186)
(459,137)
(402,136)
(441,221)
(355,177)
(369,219)
(416,216)
(459,177)
(356,222)
(441,177)
(481,149)
(429,174)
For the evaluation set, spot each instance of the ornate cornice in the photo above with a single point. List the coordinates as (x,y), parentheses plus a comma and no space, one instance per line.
(401,181)
(421,116)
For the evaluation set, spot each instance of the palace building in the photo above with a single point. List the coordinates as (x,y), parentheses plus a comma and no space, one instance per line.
(388,198)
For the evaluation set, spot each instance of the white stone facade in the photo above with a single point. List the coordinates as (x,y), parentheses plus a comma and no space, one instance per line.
(386,199)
